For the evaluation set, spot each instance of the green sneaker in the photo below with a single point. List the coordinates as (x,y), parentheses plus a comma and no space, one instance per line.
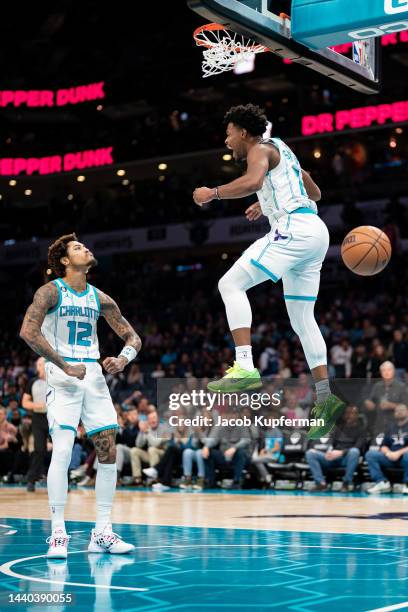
(236,379)
(330,411)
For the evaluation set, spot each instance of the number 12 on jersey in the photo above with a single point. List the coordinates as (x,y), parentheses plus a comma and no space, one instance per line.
(79,333)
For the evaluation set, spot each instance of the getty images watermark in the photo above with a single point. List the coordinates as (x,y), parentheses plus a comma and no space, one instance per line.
(202,402)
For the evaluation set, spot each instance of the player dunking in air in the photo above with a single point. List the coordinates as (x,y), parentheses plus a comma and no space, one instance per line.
(293,251)
(60,325)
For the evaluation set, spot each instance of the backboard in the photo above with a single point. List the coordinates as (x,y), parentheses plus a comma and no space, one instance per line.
(257,20)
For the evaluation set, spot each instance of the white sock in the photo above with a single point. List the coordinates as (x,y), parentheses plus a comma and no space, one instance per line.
(57,477)
(57,517)
(243,356)
(105,487)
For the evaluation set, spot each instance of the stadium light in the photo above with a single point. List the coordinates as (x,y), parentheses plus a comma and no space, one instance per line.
(162,166)
(28,192)
(121,172)
(227,157)
(81,178)
(317,154)
(125,182)
(12,183)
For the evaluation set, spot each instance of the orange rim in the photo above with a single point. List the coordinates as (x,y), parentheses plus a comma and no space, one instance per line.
(207,27)
(214,27)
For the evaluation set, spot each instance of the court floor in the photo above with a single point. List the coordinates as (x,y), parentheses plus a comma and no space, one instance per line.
(212,550)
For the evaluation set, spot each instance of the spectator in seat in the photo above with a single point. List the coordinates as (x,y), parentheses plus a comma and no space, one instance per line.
(192,454)
(341,355)
(162,473)
(15,413)
(378,357)
(304,392)
(151,443)
(8,439)
(347,443)
(269,362)
(384,397)
(227,445)
(398,354)
(359,362)
(393,452)
(270,448)
(20,449)
(125,441)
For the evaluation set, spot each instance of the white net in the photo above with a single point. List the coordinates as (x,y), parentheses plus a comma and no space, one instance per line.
(224,49)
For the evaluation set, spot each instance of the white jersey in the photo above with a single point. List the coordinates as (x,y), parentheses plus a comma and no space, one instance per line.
(70,326)
(283,190)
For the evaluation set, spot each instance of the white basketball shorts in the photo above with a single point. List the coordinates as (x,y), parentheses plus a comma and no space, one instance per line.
(294,251)
(70,399)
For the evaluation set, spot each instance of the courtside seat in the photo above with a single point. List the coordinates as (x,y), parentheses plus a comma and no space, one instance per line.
(293,451)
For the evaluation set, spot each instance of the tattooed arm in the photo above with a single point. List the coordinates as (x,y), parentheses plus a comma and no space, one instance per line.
(110,310)
(45,298)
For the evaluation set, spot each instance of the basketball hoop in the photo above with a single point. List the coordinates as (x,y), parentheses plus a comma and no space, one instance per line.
(223,49)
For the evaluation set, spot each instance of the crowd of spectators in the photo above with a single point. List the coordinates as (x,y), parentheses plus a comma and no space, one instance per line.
(167,198)
(365,328)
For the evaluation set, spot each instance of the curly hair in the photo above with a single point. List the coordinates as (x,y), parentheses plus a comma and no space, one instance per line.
(56,251)
(249,117)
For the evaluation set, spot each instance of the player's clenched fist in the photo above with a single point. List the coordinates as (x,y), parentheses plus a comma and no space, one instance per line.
(202,195)
(113,365)
(77,371)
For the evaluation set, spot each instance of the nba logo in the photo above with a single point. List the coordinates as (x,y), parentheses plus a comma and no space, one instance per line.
(392,7)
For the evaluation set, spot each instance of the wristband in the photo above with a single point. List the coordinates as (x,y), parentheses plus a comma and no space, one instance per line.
(129,353)
(217,195)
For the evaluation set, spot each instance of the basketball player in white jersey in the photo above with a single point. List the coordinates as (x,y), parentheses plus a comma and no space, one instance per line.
(293,251)
(60,325)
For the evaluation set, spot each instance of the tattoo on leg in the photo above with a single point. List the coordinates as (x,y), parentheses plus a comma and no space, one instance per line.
(104,442)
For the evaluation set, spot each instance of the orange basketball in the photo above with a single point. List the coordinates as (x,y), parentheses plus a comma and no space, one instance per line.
(366,250)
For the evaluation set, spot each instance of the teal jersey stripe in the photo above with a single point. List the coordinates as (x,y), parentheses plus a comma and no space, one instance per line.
(79,359)
(77,293)
(97,298)
(303,210)
(94,431)
(58,304)
(267,272)
(304,298)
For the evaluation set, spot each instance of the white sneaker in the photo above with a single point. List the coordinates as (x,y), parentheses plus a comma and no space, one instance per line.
(108,542)
(404,489)
(84,481)
(151,472)
(58,542)
(78,472)
(159,487)
(380,487)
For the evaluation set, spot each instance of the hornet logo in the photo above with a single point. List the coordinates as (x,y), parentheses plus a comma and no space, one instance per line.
(279,236)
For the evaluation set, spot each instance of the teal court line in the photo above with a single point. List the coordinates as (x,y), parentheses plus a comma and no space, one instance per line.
(189,568)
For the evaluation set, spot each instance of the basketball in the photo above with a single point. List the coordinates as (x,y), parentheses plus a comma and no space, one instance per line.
(366,250)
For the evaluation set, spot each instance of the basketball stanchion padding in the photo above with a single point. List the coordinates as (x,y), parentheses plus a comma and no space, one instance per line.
(318,24)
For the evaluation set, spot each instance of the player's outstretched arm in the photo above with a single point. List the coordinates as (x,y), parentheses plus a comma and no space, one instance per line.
(45,298)
(312,189)
(252,181)
(110,311)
